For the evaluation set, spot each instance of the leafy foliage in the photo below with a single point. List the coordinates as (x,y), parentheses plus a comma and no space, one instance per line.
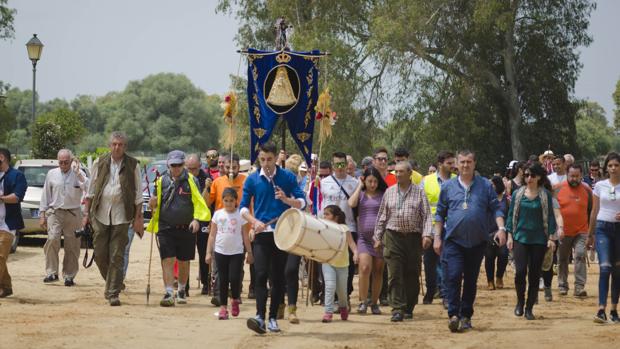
(56,130)
(7,16)
(594,136)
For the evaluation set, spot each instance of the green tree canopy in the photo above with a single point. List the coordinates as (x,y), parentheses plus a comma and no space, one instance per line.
(55,130)
(594,136)
(7,16)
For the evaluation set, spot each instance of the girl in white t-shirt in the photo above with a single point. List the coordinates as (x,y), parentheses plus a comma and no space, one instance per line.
(227,238)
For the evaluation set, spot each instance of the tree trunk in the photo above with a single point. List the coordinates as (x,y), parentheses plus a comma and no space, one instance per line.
(511,96)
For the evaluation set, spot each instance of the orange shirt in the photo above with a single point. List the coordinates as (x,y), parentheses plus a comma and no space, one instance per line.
(390,179)
(574,208)
(221,183)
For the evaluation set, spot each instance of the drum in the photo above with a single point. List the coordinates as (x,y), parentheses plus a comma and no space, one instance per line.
(305,235)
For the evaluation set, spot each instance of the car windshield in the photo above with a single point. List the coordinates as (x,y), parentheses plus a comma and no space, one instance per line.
(35,176)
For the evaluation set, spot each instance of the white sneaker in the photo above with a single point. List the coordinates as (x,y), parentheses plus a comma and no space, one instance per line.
(541,284)
(181,297)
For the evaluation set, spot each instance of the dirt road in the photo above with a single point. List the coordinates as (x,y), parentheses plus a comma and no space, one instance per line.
(40,315)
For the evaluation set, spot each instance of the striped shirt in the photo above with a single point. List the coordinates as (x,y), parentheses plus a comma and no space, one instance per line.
(404,212)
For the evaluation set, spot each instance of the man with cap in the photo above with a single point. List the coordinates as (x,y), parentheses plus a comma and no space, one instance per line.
(178,208)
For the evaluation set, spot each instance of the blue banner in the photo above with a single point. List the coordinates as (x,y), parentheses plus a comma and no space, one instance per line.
(282,84)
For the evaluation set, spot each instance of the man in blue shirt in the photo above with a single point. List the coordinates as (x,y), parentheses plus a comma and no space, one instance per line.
(465,203)
(12,190)
(273,190)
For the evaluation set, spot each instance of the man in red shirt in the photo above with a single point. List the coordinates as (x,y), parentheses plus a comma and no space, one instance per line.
(575,200)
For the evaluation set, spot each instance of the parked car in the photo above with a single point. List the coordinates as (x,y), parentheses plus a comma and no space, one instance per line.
(35,171)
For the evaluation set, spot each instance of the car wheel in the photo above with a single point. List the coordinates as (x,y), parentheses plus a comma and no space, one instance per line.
(15,242)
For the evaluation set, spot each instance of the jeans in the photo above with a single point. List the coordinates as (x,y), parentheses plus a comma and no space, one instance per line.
(130,235)
(229,274)
(461,266)
(402,253)
(608,250)
(566,245)
(492,253)
(335,282)
(431,275)
(528,262)
(269,262)
(291,274)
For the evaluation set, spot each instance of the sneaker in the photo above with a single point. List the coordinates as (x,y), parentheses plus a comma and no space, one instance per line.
(115,301)
(5,292)
(256,324)
(272,326)
(580,293)
(223,314)
(344,313)
(548,294)
(280,314)
(541,284)
(564,291)
(69,282)
(600,317)
(613,317)
(327,317)
(167,301)
(454,324)
(181,297)
(50,278)
(397,316)
(374,309)
(292,314)
(466,324)
(235,307)
(362,308)
(215,301)
(499,283)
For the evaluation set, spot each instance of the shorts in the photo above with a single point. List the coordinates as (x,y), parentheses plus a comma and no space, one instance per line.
(175,243)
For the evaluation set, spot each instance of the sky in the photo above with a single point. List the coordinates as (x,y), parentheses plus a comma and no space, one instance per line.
(93,47)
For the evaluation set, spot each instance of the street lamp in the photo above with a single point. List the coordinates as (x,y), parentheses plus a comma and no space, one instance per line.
(35,47)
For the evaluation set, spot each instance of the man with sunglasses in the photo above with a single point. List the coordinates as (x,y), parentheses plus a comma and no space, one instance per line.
(594,175)
(13,187)
(114,201)
(336,190)
(60,215)
(380,162)
(213,170)
(178,208)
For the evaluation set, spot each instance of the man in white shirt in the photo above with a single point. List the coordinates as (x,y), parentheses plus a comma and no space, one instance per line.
(114,201)
(336,190)
(61,216)
(559,173)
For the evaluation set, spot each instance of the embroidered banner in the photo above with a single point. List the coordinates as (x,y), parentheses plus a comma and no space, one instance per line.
(282,84)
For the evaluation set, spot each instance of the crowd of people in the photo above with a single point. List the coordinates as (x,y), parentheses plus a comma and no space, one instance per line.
(542,214)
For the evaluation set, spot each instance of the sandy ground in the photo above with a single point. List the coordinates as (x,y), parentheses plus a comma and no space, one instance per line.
(39,315)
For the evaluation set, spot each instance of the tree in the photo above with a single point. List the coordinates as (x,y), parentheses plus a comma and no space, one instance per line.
(7,16)
(594,136)
(507,63)
(56,130)
(7,120)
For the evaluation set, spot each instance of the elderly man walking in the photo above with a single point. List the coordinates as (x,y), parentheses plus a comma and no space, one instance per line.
(465,204)
(403,227)
(114,201)
(61,216)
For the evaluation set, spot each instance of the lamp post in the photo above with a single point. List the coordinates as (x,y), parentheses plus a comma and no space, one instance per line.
(35,47)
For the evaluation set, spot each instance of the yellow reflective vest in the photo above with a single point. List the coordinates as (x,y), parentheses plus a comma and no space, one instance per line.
(201,211)
(432,190)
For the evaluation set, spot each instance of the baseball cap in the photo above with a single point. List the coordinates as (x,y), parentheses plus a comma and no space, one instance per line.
(176,157)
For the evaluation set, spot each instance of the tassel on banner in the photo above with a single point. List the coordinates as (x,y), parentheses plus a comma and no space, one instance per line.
(230,112)
(325,115)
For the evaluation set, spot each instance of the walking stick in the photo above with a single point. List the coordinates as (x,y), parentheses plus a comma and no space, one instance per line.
(148,283)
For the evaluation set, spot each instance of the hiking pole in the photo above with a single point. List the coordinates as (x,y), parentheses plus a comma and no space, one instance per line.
(148,283)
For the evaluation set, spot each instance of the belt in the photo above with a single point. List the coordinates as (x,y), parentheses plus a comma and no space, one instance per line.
(180,227)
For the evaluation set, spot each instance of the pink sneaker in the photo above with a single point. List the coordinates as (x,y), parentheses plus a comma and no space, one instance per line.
(327,317)
(223,315)
(235,307)
(344,313)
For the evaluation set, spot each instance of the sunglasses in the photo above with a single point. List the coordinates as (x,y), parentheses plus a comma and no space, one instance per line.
(176,165)
(212,156)
(340,164)
(381,159)
(527,175)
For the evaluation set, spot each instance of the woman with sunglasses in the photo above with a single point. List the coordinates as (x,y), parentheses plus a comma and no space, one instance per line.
(531,225)
(605,221)
(367,198)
